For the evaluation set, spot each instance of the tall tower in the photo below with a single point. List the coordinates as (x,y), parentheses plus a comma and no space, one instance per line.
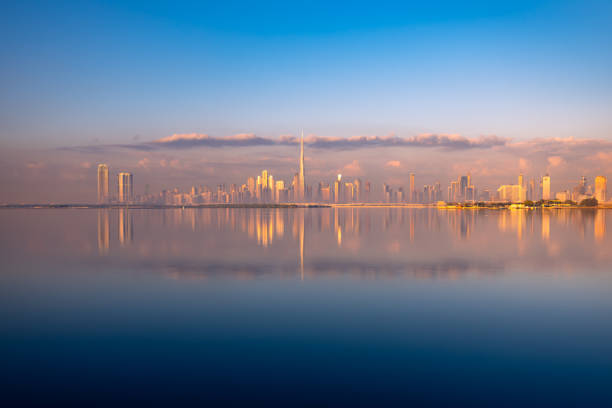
(412,189)
(102,183)
(301,182)
(601,188)
(126,187)
(546,187)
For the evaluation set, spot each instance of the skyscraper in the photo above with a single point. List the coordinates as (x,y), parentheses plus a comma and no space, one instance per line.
(601,187)
(102,183)
(546,187)
(338,189)
(301,182)
(126,187)
(521,188)
(412,188)
(463,185)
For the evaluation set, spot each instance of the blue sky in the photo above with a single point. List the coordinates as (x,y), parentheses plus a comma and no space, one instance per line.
(102,73)
(80,72)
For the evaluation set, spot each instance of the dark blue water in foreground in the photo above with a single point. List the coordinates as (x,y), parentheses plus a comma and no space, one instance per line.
(306,307)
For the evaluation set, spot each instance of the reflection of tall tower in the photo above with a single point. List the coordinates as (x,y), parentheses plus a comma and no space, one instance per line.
(301,182)
(103,231)
(102,183)
(125,227)
(301,235)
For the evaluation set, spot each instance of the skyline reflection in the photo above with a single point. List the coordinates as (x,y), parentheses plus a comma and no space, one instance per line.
(411,242)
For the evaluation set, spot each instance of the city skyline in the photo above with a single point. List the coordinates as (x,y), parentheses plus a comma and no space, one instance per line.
(266,189)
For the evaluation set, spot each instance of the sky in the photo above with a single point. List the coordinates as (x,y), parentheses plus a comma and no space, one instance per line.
(382,89)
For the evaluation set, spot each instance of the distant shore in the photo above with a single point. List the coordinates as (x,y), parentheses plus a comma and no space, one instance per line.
(450,206)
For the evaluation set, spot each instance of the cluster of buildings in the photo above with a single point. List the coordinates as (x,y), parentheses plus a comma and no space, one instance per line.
(429,194)
(124,191)
(265,188)
(523,191)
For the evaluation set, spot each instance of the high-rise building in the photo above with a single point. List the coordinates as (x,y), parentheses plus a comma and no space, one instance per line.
(338,189)
(358,192)
(301,181)
(126,187)
(102,183)
(264,179)
(546,187)
(463,185)
(601,187)
(412,189)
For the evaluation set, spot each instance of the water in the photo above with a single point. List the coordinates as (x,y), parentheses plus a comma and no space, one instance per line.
(307,306)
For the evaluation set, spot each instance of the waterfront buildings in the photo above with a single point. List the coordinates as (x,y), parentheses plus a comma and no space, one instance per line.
(125,183)
(546,187)
(103,196)
(601,187)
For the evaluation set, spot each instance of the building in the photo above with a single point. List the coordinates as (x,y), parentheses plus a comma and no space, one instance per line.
(412,189)
(102,183)
(601,187)
(515,193)
(338,189)
(126,187)
(546,187)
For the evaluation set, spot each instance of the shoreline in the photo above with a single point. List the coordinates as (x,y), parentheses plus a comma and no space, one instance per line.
(494,206)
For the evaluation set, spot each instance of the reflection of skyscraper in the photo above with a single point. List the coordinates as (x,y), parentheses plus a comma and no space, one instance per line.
(102,183)
(545,225)
(103,231)
(546,187)
(600,225)
(601,188)
(125,227)
(126,187)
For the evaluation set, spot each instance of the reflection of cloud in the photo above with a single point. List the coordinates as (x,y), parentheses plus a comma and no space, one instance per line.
(442,269)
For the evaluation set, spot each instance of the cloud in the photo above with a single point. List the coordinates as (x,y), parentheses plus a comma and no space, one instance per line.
(352,169)
(524,164)
(393,163)
(448,141)
(555,161)
(185,141)
(195,140)
(144,163)
(563,147)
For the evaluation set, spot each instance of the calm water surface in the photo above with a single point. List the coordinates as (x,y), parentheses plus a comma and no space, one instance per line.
(307,306)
